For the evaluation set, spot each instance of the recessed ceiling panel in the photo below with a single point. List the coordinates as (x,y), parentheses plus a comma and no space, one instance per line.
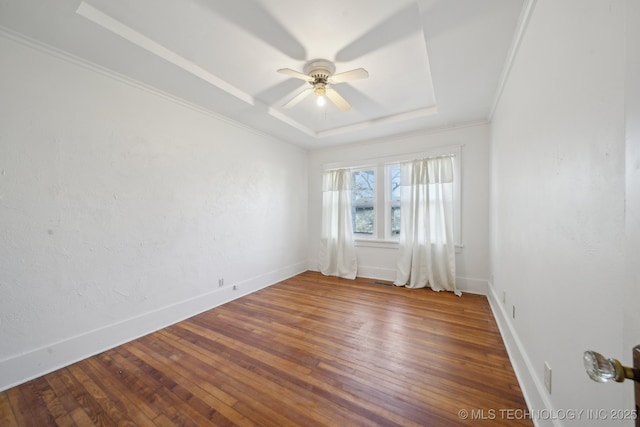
(431,63)
(239,46)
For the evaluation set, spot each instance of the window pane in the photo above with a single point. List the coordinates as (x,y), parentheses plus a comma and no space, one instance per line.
(363,219)
(395,220)
(363,186)
(394,180)
(363,201)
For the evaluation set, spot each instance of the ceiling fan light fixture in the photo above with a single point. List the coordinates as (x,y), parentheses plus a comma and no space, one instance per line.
(320,74)
(320,101)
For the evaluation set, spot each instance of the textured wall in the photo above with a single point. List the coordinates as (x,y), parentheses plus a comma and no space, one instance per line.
(117,204)
(558,200)
(632,171)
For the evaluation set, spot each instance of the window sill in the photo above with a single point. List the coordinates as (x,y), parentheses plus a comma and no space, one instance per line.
(388,244)
(373,243)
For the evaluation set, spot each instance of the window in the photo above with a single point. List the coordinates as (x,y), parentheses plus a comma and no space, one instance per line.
(393,199)
(369,186)
(363,197)
(376,196)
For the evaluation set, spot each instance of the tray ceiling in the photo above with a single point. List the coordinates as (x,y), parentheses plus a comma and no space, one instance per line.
(431,63)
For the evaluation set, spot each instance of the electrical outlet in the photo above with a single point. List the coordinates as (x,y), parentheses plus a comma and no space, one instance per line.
(235,287)
(220,282)
(513,311)
(547,376)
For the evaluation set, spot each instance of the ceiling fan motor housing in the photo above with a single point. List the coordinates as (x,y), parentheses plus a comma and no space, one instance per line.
(320,70)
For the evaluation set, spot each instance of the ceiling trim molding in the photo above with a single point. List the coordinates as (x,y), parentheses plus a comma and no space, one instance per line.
(117,27)
(414,114)
(289,121)
(401,136)
(186,81)
(109,23)
(109,73)
(523,22)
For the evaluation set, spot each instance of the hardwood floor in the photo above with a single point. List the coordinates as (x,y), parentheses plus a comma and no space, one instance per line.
(309,351)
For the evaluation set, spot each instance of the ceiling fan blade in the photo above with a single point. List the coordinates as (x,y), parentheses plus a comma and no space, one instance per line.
(299,97)
(292,73)
(358,73)
(337,99)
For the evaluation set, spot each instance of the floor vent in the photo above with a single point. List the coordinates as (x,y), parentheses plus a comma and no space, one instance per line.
(379,282)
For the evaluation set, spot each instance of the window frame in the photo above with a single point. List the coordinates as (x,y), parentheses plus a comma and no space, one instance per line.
(382,237)
(389,203)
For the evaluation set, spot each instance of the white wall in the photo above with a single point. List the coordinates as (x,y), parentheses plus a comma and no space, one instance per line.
(558,205)
(632,172)
(472,262)
(120,210)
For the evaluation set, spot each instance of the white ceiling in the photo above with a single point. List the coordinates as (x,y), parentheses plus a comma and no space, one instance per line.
(432,63)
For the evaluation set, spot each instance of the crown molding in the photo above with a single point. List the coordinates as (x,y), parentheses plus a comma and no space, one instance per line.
(109,73)
(523,22)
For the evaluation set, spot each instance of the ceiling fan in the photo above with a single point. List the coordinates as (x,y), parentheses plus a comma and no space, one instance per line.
(319,73)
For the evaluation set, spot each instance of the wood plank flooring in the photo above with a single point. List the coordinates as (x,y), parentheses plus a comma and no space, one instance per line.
(309,351)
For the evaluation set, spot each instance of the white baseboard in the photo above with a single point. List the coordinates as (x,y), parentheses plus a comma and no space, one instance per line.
(472,286)
(532,389)
(35,363)
(463,284)
(377,273)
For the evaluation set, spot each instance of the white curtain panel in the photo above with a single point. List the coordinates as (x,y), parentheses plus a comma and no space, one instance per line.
(426,255)
(337,249)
